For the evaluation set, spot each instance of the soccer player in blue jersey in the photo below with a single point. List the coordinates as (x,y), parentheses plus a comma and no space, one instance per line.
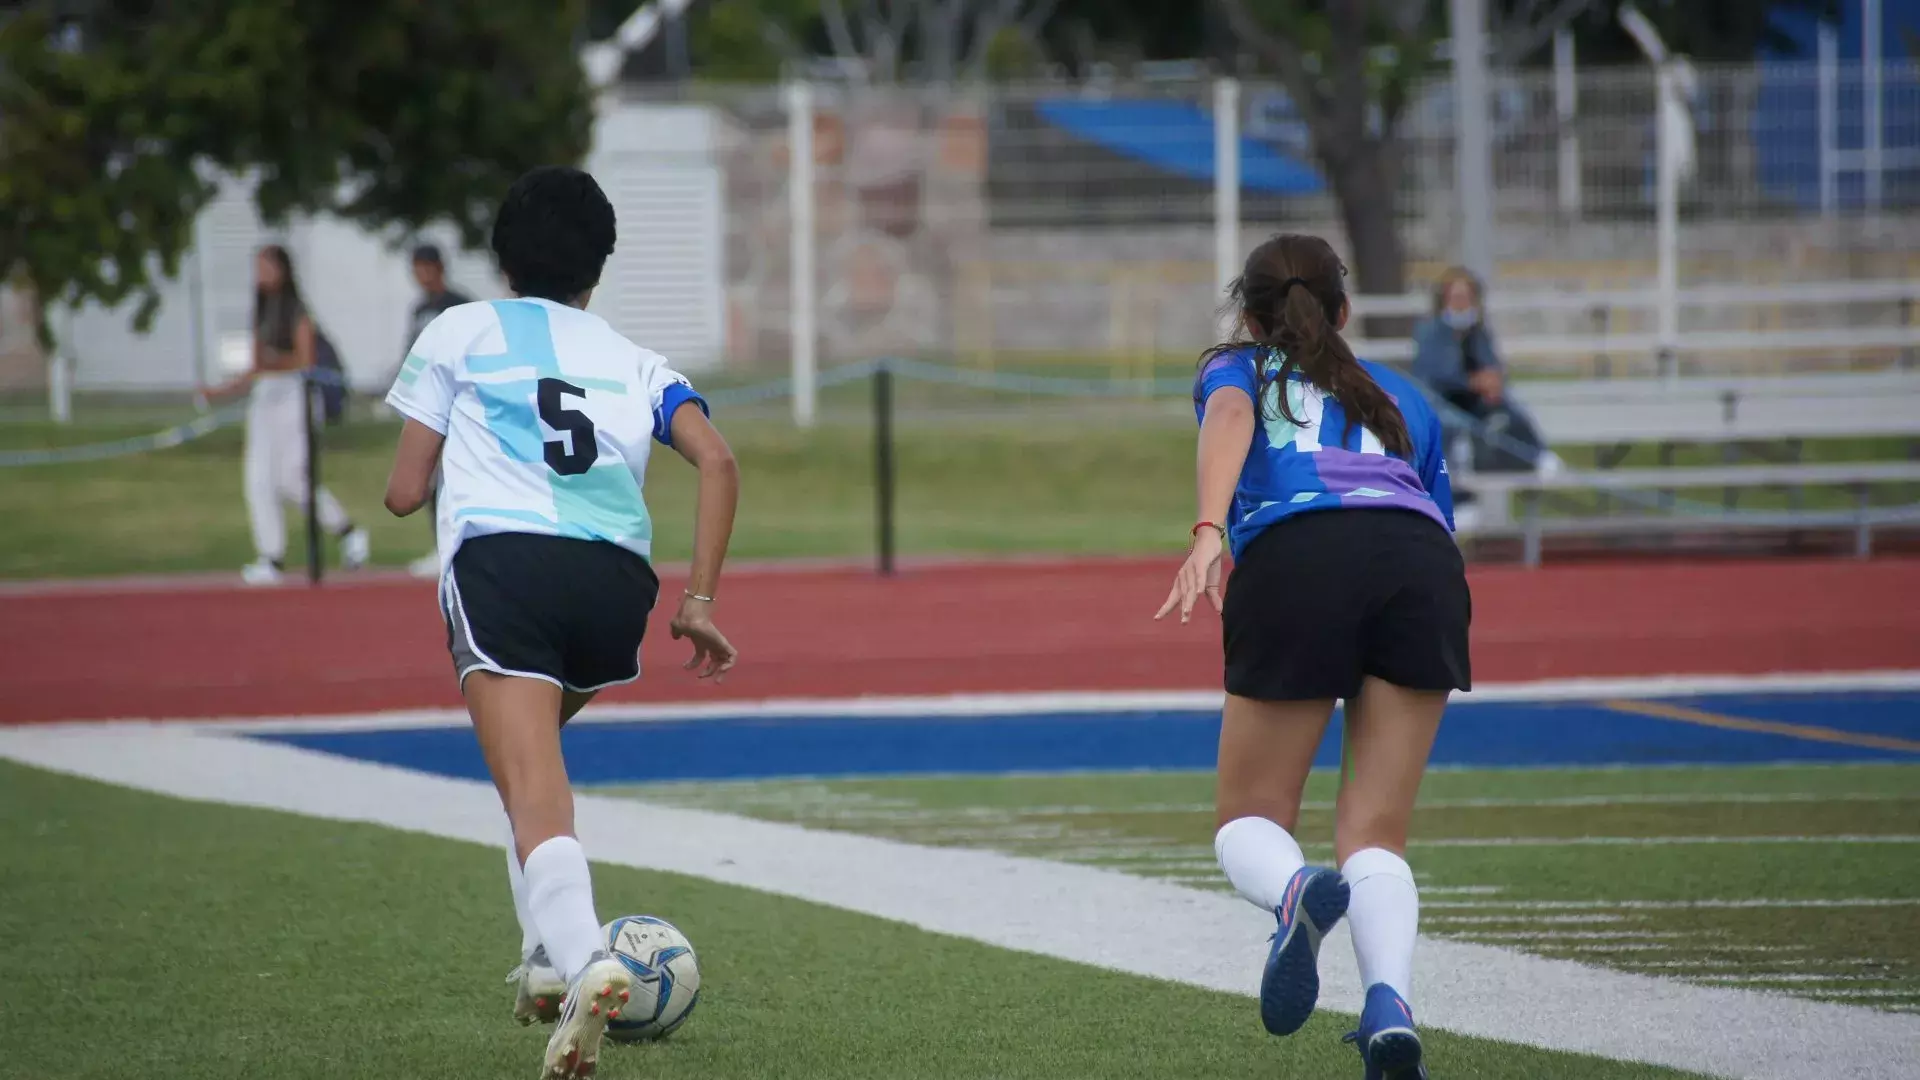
(1323,474)
(539,417)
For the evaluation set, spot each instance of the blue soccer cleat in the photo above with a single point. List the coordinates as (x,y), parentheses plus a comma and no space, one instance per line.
(1387,1039)
(1316,898)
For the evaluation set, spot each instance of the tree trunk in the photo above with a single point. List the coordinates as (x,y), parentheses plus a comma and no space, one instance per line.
(1365,181)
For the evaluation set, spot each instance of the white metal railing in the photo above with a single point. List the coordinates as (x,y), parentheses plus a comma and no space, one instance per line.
(1606,303)
(1499,519)
(1807,293)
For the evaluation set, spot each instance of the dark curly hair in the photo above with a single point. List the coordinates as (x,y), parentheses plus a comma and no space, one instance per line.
(553,234)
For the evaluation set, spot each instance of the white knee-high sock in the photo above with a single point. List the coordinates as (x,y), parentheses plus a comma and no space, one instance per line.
(522,910)
(1385,917)
(1259,858)
(560,898)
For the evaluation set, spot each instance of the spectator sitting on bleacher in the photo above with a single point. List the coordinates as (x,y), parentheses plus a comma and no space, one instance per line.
(1455,356)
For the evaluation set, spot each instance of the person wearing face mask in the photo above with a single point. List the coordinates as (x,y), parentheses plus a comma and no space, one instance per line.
(1454,352)
(1455,356)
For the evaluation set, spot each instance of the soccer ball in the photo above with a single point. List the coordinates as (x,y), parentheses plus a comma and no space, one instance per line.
(666,977)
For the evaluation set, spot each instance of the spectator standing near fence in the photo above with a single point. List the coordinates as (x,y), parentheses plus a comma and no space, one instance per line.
(436,296)
(285,348)
(1326,477)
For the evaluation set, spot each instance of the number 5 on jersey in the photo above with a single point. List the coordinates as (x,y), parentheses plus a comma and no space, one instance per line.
(577,448)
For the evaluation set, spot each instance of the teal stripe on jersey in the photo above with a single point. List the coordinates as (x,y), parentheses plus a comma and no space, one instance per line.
(531,517)
(511,418)
(603,503)
(411,369)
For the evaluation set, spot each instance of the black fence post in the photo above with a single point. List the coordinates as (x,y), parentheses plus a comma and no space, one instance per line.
(883,465)
(309,389)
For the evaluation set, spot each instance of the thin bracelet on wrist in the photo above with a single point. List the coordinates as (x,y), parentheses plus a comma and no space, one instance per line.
(691,595)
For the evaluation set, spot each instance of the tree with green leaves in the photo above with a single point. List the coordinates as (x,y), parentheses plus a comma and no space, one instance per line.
(117,116)
(1351,68)
(871,41)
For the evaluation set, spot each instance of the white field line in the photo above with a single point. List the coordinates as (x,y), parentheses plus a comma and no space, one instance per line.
(974,705)
(1653,841)
(1613,948)
(1665,905)
(1553,936)
(1677,799)
(830,806)
(1696,964)
(1795,977)
(1448,922)
(1076,913)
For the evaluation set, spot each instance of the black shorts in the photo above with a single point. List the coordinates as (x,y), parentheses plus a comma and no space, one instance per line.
(569,611)
(1319,601)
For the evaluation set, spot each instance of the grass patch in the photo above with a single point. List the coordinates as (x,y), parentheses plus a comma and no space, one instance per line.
(979,473)
(166,939)
(986,486)
(1633,897)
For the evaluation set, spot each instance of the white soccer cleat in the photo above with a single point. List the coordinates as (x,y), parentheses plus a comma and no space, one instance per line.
(355,549)
(597,995)
(538,989)
(426,566)
(260,572)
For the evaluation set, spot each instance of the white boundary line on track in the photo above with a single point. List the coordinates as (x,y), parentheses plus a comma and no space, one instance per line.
(1074,913)
(977,705)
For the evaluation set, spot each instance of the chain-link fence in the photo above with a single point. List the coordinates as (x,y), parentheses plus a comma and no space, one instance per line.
(1042,226)
(1072,227)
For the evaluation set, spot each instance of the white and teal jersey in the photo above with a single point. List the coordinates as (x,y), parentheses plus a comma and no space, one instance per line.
(549,415)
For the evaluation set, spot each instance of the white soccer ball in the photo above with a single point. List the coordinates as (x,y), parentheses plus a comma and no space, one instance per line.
(666,977)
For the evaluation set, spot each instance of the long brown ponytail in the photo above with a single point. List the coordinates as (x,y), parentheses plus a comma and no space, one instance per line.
(1291,295)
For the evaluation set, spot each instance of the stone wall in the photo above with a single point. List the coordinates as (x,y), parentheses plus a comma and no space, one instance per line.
(22,367)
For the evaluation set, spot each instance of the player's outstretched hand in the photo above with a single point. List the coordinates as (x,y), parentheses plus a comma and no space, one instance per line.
(1199,574)
(713,654)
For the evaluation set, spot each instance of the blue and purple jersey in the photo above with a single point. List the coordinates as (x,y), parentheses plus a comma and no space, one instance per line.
(1323,463)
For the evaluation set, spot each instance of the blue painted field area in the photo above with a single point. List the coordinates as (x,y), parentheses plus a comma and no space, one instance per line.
(1826,728)
(1894,714)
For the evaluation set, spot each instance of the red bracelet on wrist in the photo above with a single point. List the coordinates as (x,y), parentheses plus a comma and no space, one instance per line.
(1215,526)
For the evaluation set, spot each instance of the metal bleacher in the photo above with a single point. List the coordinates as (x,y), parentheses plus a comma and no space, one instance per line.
(1759,422)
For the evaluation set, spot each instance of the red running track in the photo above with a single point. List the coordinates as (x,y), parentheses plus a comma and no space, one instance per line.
(208,650)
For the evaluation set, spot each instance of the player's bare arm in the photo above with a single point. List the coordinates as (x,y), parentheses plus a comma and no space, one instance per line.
(411,482)
(698,441)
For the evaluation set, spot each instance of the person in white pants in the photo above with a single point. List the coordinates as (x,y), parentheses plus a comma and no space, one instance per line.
(276,442)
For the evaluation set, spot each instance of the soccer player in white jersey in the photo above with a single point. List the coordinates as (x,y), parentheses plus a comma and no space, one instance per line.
(539,416)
